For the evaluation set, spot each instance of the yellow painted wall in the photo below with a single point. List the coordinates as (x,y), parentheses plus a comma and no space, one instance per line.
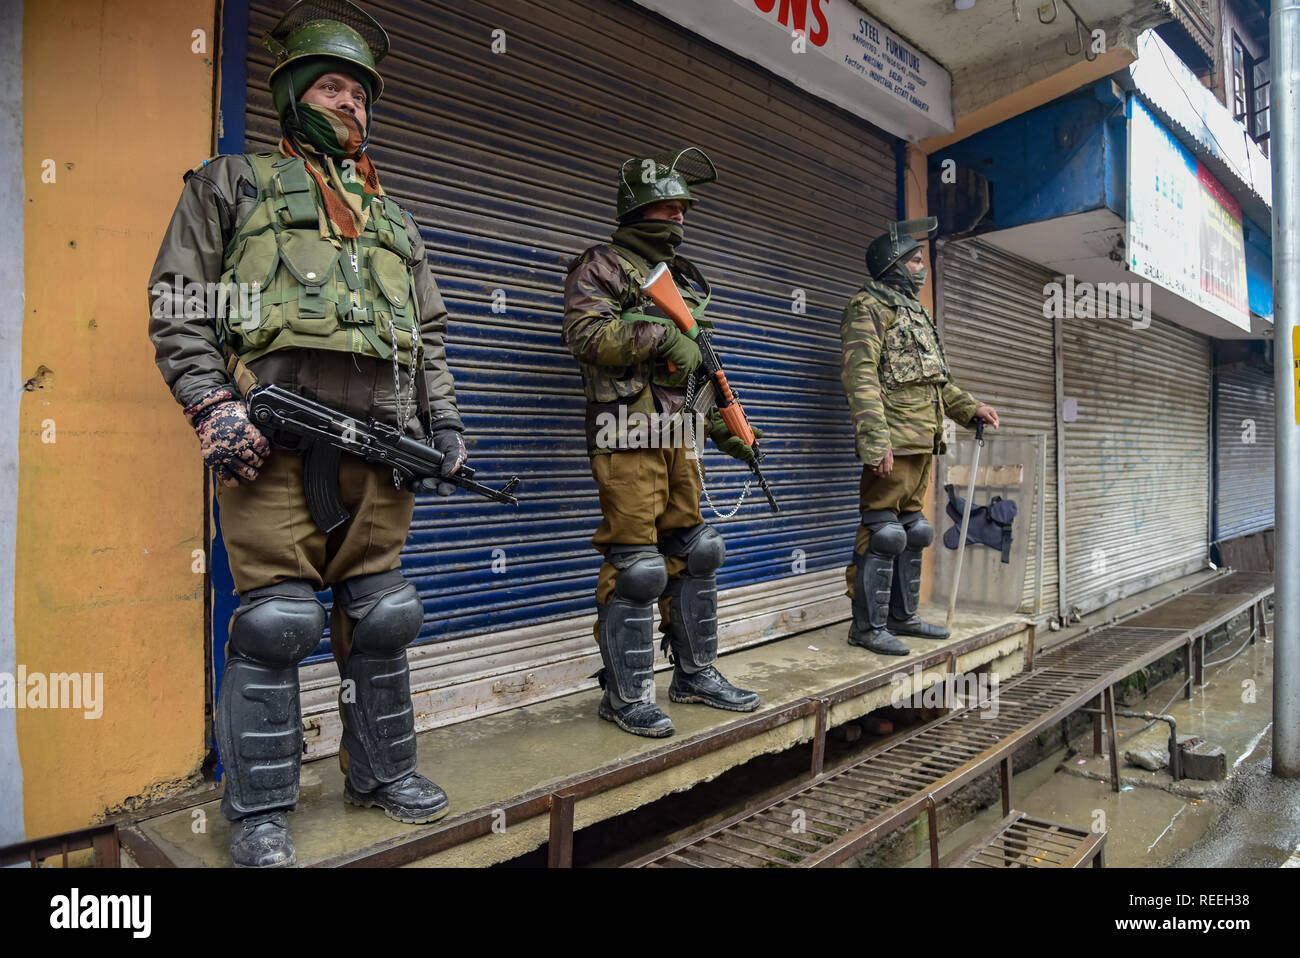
(110,512)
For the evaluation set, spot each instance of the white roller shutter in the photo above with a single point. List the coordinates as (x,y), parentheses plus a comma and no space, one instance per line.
(1137,457)
(999,347)
(1245,436)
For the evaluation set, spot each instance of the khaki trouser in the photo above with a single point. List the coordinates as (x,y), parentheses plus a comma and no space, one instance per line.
(903,490)
(644,493)
(270,536)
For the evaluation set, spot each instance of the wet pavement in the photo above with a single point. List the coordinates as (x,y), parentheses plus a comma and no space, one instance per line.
(1251,820)
(486,762)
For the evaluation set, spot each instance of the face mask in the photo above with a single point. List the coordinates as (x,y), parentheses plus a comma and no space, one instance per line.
(656,240)
(901,278)
(335,133)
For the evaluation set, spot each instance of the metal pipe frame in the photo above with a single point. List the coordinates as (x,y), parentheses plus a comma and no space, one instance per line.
(1284,113)
(102,839)
(1175,756)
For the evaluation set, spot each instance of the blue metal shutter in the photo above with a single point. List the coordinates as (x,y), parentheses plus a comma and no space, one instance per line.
(1243,494)
(507,162)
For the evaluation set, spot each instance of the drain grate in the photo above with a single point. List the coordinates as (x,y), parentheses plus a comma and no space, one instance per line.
(1019,841)
(825,821)
(842,811)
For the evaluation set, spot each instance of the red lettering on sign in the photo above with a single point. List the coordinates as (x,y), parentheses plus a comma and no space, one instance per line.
(823,32)
(794,13)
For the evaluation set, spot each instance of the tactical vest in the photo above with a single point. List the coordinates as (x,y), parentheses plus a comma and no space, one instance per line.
(626,385)
(910,354)
(306,291)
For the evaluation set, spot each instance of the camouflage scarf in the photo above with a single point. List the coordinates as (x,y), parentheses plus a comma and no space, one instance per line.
(344,201)
(335,133)
(655,241)
(898,277)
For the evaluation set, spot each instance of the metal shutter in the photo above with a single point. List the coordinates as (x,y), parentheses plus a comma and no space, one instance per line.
(1137,477)
(506,161)
(1243,494)
(1000,349)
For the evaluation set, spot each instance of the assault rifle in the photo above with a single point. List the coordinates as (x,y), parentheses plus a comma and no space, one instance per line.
(716,394)
(323,434)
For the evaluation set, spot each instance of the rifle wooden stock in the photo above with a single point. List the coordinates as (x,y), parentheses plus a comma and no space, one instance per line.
(663,292)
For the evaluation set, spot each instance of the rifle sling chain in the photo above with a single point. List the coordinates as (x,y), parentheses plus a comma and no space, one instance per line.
(697,444)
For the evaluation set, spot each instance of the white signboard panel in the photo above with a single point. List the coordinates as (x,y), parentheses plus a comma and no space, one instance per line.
(1184,228)
(833,50)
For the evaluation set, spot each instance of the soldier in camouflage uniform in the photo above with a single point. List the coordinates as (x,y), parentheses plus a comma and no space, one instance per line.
(635,364)
(332,298)
(899,392)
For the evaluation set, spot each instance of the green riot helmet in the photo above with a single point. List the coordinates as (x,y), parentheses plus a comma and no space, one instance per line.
(897,244)
(644,181)
(325,31)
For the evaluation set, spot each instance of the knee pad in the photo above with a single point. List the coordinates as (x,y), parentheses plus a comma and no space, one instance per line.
(693,626)
(278,625)
(700,545)
(919,531)
(625,633)
(258,726)
(888,537)
(642,573)
(387,609)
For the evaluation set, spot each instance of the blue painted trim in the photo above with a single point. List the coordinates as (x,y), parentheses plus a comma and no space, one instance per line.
(233,93)
(1047,163)
(1259,268)
(234,75)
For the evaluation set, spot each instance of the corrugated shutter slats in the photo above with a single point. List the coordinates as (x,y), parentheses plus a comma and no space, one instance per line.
(1244,498)
(1137,478)
(1000,349)
(507,162)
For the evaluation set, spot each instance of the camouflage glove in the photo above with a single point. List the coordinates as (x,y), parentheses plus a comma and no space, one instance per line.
(726,442)
(679,349)
(232,446)
(445,436)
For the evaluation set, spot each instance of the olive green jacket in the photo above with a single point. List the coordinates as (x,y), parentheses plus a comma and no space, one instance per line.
(617,352)
(216,199)
(895,376)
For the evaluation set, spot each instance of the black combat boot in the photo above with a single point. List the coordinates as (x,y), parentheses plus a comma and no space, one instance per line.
(258,718)
(905,594)
(414,799)
(876,640)
(639,718)
(262,841)
(693,630)
(709,687)
(871,586)
(378,751)
(625,634)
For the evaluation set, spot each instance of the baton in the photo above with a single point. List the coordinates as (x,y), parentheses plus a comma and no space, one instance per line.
(965,520)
